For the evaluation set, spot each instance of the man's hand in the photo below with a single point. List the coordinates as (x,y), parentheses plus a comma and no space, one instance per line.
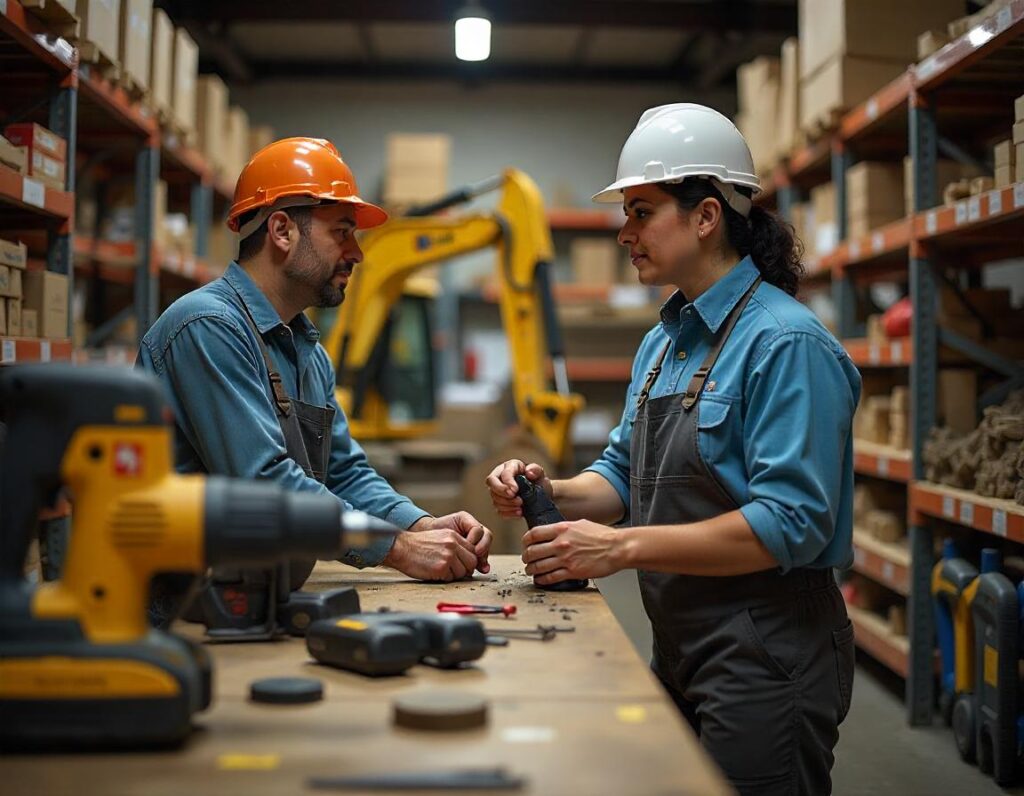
(572,549)
(504,490)
(468,527)
(438,555)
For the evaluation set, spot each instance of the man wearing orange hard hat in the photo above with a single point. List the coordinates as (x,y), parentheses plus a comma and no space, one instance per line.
(251,388)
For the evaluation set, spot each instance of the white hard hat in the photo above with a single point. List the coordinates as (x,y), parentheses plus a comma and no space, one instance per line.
(673,142)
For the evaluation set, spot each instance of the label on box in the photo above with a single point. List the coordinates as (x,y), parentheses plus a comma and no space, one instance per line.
(896,352)
(3,7)
(967,513)
(888,570)
(189,267)
(859,555)
(1003,19)
(995,203)
(877,242)
(999,522)
(948,507)
(974,208)
(854,249)
(931,222)
(960,216)
(8,354)
(1018,195)
(33,192)
(872,109)
(44,350)
(926,67)
(874,354)
(883,466)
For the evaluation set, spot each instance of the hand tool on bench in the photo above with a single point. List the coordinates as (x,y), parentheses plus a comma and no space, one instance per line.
(539,509)
(467,608)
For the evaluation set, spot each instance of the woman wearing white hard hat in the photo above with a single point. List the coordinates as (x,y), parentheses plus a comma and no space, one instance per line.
(732,465)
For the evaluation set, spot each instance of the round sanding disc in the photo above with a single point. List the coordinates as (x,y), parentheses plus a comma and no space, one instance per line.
(286,690)
(440,710)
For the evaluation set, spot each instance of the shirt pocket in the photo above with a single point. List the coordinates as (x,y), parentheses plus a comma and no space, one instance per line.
(719,432)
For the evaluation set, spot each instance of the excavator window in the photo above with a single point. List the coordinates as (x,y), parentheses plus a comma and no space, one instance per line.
(402,362)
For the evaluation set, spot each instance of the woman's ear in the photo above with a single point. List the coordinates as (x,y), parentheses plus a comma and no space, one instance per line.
(709,217)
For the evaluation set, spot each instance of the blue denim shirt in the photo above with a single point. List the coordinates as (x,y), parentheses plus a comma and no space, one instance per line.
(775,422)
(205,354)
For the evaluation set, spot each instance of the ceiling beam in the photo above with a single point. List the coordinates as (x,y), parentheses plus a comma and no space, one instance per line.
(219,50)
(740,15)
(418,71)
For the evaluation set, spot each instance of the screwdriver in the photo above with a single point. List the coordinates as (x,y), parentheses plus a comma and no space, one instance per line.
(468,608)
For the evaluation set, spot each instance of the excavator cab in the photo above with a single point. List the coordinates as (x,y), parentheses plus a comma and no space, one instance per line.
(381,339)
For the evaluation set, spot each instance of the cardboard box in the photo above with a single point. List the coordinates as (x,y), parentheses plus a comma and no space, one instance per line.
(753,76)
(212,118)
(47,170)
(1004,154)
(13,306)
(47,293)
(260,136)
(876,329)
(38,139)
(885,526)
(840,84)
(101,23)
(879,29)
(29,323)
(161,58)
(958,399)
(595,261)
(183,83)
(13,255)
(874,196)
(899,399)
(10,282)
(980,185)
(237,139)
(788,127)
(1018,175)
(1004,176)
(14,157)
(417,167)
(1018,109)
(826,230)
(136,40)
(946,172)
(931,41)
(758,86)
(1018,133)
(3,317)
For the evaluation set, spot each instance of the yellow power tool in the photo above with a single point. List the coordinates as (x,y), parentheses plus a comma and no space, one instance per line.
(79,663)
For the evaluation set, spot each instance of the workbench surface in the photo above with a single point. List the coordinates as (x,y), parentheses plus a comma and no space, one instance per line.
(580,714)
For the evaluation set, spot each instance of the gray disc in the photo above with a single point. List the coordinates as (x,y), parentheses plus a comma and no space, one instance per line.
(286,690)
(440,710)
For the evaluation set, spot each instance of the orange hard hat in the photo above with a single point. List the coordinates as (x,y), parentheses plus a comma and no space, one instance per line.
(293,172)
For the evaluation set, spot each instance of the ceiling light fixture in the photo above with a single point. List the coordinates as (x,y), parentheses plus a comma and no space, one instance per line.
(472,33)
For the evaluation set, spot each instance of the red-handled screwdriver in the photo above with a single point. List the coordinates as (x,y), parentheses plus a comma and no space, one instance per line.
(467,608)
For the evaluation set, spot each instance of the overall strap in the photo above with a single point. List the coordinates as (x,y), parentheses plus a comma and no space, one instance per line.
(652,376)
(699,379)
(280,397)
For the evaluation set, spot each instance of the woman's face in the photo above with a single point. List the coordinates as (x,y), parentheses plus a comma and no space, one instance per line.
(662,239)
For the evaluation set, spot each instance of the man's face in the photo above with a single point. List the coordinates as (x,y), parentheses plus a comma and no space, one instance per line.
(325,255)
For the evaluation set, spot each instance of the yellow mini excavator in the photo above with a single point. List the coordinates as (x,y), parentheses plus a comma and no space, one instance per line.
(380,341)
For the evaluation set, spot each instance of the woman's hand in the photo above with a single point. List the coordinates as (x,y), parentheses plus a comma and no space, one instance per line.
(504,490)
(572,549)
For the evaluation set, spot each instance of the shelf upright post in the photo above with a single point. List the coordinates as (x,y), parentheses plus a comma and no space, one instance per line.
(923,388)
(147,171)
(201,210)
(843,294)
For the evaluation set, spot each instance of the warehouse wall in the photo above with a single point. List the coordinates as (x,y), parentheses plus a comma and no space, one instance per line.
(567,137)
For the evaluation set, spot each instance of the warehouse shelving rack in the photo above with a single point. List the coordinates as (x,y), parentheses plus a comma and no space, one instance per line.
(105,129)
(966,89)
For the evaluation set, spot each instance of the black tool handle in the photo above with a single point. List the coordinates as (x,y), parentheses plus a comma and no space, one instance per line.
(539,509)
(43,406)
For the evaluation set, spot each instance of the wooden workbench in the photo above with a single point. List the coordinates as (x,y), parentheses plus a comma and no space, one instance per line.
(580,714)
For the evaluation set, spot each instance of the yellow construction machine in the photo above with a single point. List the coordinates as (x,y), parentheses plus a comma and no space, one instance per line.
(381,340)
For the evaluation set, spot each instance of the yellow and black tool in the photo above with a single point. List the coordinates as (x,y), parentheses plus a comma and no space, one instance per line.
(79,664)
(954,585)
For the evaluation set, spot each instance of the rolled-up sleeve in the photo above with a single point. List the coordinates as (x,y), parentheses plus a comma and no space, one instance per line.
(796,435)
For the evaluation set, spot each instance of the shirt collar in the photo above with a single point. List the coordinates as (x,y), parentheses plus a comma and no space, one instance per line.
(714,304)
(263,312)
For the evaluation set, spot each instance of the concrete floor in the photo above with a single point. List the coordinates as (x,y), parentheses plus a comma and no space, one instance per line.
(878,753)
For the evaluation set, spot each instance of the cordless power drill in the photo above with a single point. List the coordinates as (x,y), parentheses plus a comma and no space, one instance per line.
(79,663)
(386,643)
(539,509)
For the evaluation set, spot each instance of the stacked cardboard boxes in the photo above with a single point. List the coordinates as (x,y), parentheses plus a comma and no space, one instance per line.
(212,120)
(596,261)
(874,196)
(46,294)
(946,172)
(45,153)
(100,31)
(13,260)
(758,93)
(259,136)
(1005,157)
(136,41)
(161,60)
(237,141)
(184,75)
(823,232)
(417,167)
(1018,139)
(788,125)
(851,48)
(13,157)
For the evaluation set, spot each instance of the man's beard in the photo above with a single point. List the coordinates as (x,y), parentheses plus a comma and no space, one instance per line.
(308,269)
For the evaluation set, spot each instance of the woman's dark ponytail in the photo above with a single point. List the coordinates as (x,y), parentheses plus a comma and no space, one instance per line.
(770,241)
